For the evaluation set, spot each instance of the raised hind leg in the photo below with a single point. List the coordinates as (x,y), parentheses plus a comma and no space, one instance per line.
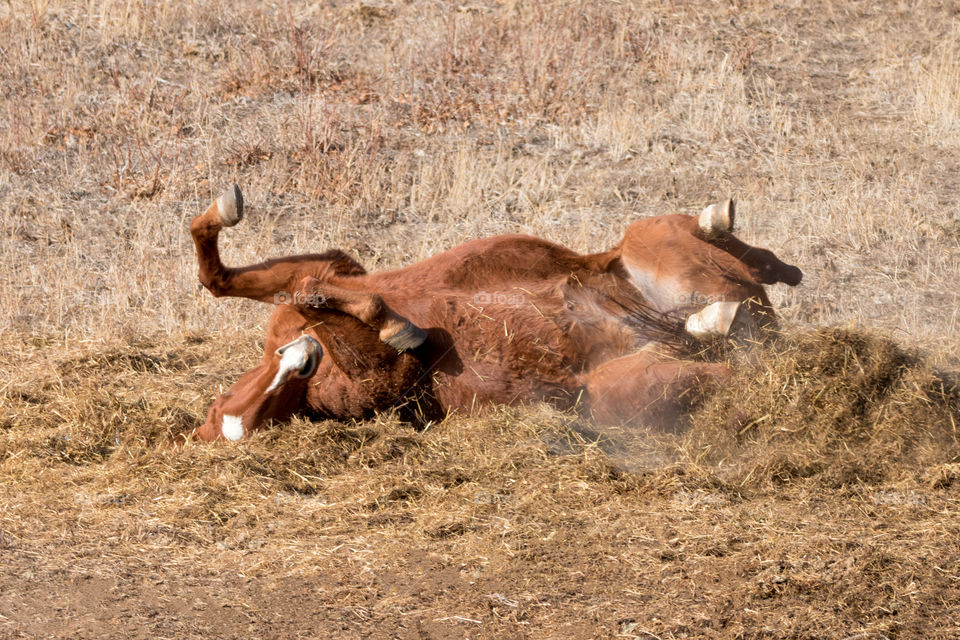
(648,388)
(681,263)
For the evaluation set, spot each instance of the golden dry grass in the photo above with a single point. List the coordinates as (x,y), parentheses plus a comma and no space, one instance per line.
(817,497)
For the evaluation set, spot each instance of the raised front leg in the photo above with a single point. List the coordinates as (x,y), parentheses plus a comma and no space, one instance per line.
(646,388)
(369,308)
(272,281)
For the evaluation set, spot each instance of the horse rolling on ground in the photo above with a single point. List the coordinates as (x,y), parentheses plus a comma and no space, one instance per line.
(616,335)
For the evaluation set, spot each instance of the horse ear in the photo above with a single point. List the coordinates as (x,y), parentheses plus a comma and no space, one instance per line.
(717,219)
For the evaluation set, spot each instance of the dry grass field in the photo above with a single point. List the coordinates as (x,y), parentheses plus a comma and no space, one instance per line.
(817,497)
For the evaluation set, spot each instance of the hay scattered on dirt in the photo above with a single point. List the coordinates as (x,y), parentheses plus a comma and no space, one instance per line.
(821,518)
(841,405)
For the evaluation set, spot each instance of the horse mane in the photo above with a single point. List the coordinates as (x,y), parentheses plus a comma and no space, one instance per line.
(652,325)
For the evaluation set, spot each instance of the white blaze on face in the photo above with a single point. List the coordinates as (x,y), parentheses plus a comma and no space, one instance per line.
(298,358)
(232,428)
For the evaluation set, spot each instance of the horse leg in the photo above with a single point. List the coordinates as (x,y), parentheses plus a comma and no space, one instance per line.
(272,281)
(370,308)
(648,388)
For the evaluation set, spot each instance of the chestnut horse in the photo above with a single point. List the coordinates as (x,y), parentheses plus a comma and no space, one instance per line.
(502,320)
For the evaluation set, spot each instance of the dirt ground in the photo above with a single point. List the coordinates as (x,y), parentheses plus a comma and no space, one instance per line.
(818,496)
(526,523)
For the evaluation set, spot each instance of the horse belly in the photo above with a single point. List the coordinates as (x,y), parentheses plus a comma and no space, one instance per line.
(517,348)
